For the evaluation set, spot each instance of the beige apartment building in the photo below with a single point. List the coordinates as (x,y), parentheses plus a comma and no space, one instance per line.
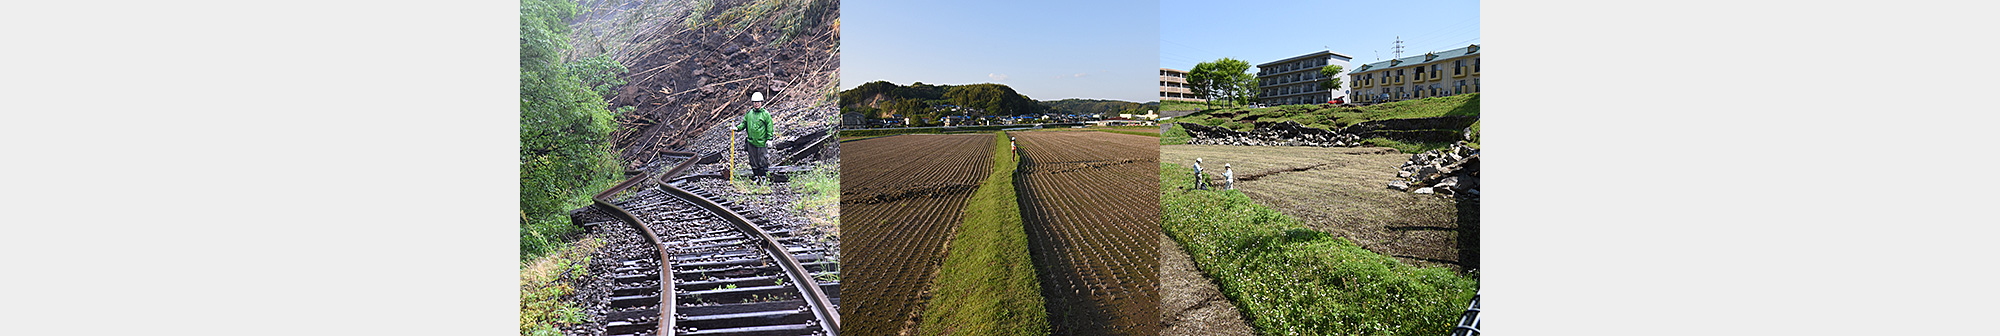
(1435,74)
(1174,86)
(1296,80)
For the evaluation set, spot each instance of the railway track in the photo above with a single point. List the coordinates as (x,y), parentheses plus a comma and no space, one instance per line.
(714,271)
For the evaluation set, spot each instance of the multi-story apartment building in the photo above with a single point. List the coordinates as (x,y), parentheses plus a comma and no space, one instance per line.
(1434,74)
(1296,80)
(1174,86)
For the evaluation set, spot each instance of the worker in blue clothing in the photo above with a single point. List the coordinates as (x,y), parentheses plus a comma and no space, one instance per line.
(1200,179)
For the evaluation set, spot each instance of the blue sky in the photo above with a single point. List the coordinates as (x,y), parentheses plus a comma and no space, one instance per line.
(1047,50)
(1262,31)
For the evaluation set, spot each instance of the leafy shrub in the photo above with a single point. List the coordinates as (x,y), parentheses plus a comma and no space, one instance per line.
(564,128)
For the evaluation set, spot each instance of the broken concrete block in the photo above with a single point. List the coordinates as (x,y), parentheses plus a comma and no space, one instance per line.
(1450,182)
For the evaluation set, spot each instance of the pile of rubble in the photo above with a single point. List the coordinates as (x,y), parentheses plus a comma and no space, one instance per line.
(1450,171)
(1270,134)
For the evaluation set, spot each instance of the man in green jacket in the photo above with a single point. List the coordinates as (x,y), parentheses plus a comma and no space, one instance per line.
(758,127)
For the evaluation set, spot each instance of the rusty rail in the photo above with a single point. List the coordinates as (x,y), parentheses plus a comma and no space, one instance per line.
(603,201)
(829,319)
(809,290)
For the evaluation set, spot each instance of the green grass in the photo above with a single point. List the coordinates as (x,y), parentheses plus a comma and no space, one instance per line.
(1331,117)
(1405,147)
(987,285)
(1150,134)
(817,188)
(1290,280)
(1175,135)
(1169,105)
(545,281)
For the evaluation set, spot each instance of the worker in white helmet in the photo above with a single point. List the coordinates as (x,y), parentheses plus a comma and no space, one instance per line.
(1200,179)
(757,129)
(1229,177)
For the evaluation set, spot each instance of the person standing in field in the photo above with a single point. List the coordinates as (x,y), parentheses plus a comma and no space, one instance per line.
(1200,179)
(757,130)
(1229,177)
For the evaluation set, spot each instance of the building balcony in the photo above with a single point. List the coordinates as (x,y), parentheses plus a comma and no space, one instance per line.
(1399,81)
(1434,75)
(1457,72)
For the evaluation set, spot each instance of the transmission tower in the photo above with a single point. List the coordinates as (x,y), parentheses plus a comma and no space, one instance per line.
(1399,47)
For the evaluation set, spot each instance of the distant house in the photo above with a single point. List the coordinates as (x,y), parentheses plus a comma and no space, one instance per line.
(852,119)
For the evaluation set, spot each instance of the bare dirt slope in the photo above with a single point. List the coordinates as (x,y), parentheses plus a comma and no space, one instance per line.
(692,67)
(1342,191)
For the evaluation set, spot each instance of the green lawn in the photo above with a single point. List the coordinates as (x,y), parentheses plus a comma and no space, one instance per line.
(1170,105)
(1175,135)
(1290,280)
(987,285)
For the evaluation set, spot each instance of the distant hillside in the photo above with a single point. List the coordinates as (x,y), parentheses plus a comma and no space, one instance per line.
(880,98)
(1092,106)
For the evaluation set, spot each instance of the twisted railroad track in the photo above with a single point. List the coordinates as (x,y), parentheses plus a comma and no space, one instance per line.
(715,271)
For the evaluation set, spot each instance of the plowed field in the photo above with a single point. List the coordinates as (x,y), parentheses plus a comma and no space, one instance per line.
(902,198)
(1091,206)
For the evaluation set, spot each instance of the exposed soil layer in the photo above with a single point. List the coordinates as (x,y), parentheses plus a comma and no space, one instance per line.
(903,198)
(693,66)
(1092,214)
(1341,191)
(1190,303)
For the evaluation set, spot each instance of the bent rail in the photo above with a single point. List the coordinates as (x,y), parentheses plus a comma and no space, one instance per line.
(829,319)
(602,200)
(809,289)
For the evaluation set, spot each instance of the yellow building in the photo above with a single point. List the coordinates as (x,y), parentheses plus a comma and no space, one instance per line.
(1435,74)
(1174,86)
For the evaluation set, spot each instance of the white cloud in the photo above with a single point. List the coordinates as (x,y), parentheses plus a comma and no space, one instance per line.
(1080,74)
(998,77)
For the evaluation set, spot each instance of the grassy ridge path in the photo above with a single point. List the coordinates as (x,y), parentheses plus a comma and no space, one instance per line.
(988,284)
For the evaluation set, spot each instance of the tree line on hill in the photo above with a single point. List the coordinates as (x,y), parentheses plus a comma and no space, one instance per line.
(882,99)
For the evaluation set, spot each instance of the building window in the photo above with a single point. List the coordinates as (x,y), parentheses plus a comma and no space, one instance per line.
(1458,68)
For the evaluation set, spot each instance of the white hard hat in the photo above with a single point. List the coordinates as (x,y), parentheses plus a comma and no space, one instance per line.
(1225,165)
(1197,159)
(756,96)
